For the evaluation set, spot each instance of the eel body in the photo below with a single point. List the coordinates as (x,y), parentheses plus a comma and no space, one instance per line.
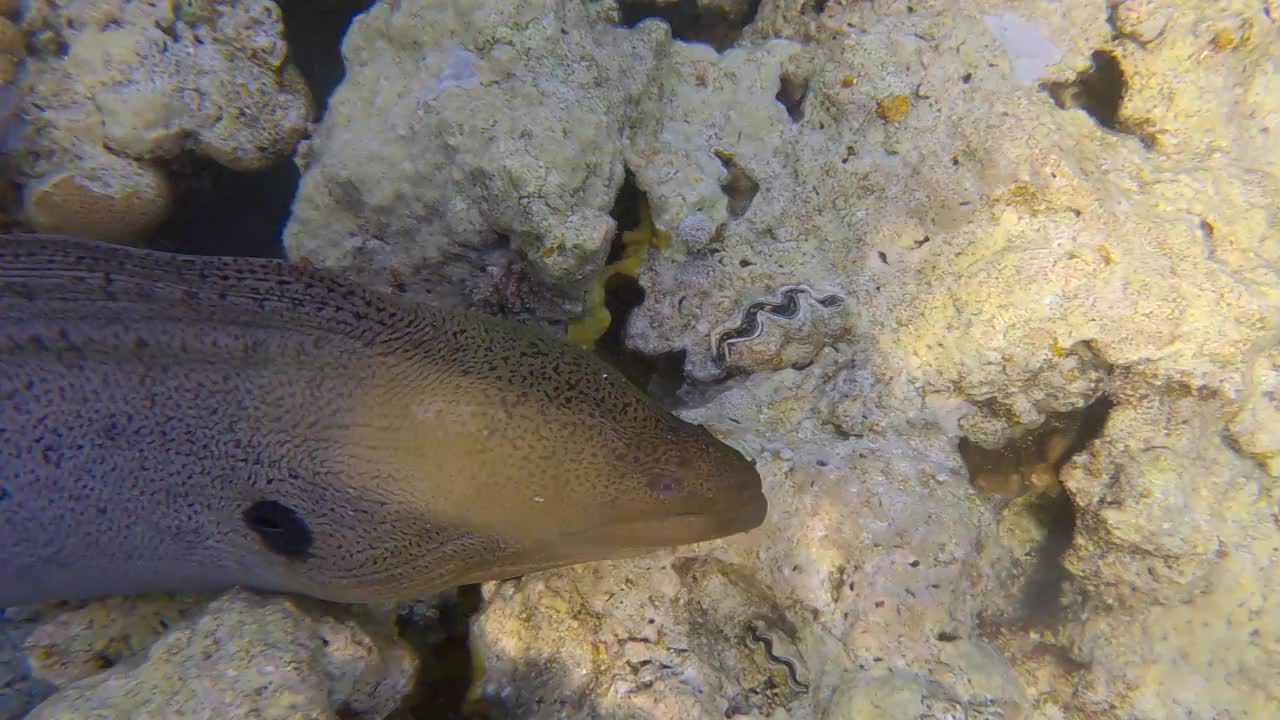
(175,423)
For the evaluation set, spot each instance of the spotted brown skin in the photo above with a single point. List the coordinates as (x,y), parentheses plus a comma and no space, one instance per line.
(174,423)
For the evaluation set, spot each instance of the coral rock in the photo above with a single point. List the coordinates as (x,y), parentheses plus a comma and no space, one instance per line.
(118,201)
(123,88)
(251,656)
(468,133)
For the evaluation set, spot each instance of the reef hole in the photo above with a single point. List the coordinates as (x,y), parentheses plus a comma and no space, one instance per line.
(1100,91)
(218,211)
(661,376)
(1032,462)
(1030,465)
(441,637)
(716,24)
(738,186)
(792,90)
(314,30)
(1041,596)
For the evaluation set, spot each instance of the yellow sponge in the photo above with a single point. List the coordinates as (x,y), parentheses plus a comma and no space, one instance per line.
(586,330)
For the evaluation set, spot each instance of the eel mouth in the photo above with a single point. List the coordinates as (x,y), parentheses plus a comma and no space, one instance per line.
(615,539)
(743,514)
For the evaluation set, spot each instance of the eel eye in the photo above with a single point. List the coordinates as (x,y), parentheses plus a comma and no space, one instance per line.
(664,485)
(281,529)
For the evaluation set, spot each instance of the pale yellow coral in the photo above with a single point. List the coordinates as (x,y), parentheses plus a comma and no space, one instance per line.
(121,202)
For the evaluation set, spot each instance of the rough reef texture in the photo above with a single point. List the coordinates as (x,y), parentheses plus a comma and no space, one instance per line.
(466,136)
(895,225)
(46,646)
(113,91)
(865,569)
(79,640)
(251,656)
(19,689)
(13,48)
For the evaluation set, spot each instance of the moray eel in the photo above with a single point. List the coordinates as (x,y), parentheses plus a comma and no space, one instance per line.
(176,423)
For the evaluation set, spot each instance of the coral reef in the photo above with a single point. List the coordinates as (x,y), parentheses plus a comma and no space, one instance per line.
(718,23)
(250,656)
(13,47)
(1018,214)
(19,690)
(990,294)
(113,91)
(1033,462)
(13,50)
(497,137)
(77,642)
(105,197)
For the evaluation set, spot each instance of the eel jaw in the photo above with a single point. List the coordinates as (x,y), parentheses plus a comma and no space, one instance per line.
(643,534)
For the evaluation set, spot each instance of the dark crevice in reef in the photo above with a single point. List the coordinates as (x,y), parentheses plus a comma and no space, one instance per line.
(738,186)
(1031,464)
(661,375)
(223,212)
(441,638)
(1100,91)
(218,211)
(1113,22)
(792,90)
(314,30)
(1042,590)
(719,26)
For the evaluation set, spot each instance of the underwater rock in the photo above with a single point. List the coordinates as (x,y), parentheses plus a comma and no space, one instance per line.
(253,656)
(1175,556)
(105,197)
(1007,250)
(19,689)
(13,47)
(891,694)
(699,295)
(73,643)
(465,134)
(717,23)
(700,621)
(123,88)
(1257,426)
(1031,232)
(867,561)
